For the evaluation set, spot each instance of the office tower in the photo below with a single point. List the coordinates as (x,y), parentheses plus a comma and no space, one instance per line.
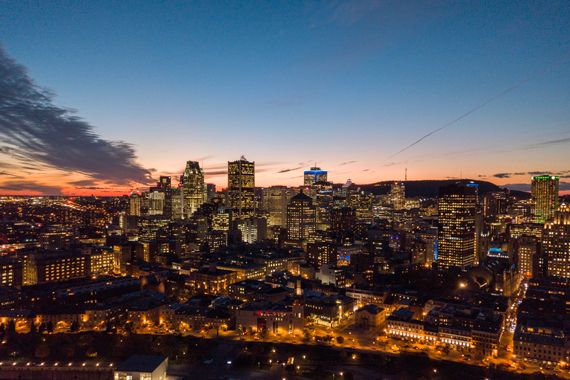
(321,253)
(210,191)
(241,188)
(135,203)
(314,175)
(397,195)
(156,202)
(456,226)
(525,249)
(177,203)
(165,185)
(252,229)
(301,218)
(274,201)
(544,191)
(343,221)
(193,188)
(495,203)
(556,243)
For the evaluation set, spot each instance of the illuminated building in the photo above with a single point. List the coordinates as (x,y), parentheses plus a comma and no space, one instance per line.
(271,317)
(321,253)
(456,226)
(556,243)
(54,266)
(544,191)
(211,281)
(135,203)
(495,203)
(11,270)
(314,175)
(103,262)
(156,200)
(241,188)
(526,249)
(541,334)
(274,201)
(301,218)
(397,195)
(343,221)
(165,186)
(193,188)
(221,222)
(252,229)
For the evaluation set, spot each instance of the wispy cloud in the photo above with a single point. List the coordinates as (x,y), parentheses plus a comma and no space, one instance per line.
(560,173)
(34,130)
(289,170)
(347,163)
(549,142)
(29,186)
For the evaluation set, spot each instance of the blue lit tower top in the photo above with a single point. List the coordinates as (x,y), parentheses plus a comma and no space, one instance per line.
(314,175)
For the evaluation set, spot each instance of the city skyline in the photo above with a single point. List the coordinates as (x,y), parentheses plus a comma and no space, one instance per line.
(364,89)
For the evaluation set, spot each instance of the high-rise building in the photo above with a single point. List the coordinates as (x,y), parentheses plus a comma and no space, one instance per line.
(301,218)
(397,195)
(165,185)
(526,250)
(241,188)
(456,226)
(314,175)
(274,201)
(556,243)
(135,203)
(193,188)
(544,191)
(156,203)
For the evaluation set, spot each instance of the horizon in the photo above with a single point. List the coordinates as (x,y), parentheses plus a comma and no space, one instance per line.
(366,89)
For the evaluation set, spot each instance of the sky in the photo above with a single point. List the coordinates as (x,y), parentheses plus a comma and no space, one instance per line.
(102,97)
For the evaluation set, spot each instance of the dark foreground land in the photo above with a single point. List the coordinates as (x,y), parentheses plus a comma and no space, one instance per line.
(195,358)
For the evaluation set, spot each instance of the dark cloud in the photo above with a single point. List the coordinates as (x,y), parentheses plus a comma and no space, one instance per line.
(502,175)
(560,173)
(84,182)
(289,170)
(33,129)
(564,186)
(30,186)
(347,163)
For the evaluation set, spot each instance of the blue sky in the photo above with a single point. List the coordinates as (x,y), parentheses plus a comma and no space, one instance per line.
(288,83)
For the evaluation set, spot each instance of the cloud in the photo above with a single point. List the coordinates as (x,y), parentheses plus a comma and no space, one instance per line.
(289,170)
(564,186)
(31,186)
(84,182)
(34,130)
(560,173)
(347,163)
(550,142)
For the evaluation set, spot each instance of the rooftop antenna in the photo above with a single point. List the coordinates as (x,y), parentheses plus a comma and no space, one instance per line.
(406,174)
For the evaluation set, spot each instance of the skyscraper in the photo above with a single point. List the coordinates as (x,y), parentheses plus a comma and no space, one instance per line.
(456,226)
(193,188)
(556,243)
(241,188)
(398,195)
(274,201)
(314,175)
(301,217)
(165,185)
(544,190)
(135,203)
